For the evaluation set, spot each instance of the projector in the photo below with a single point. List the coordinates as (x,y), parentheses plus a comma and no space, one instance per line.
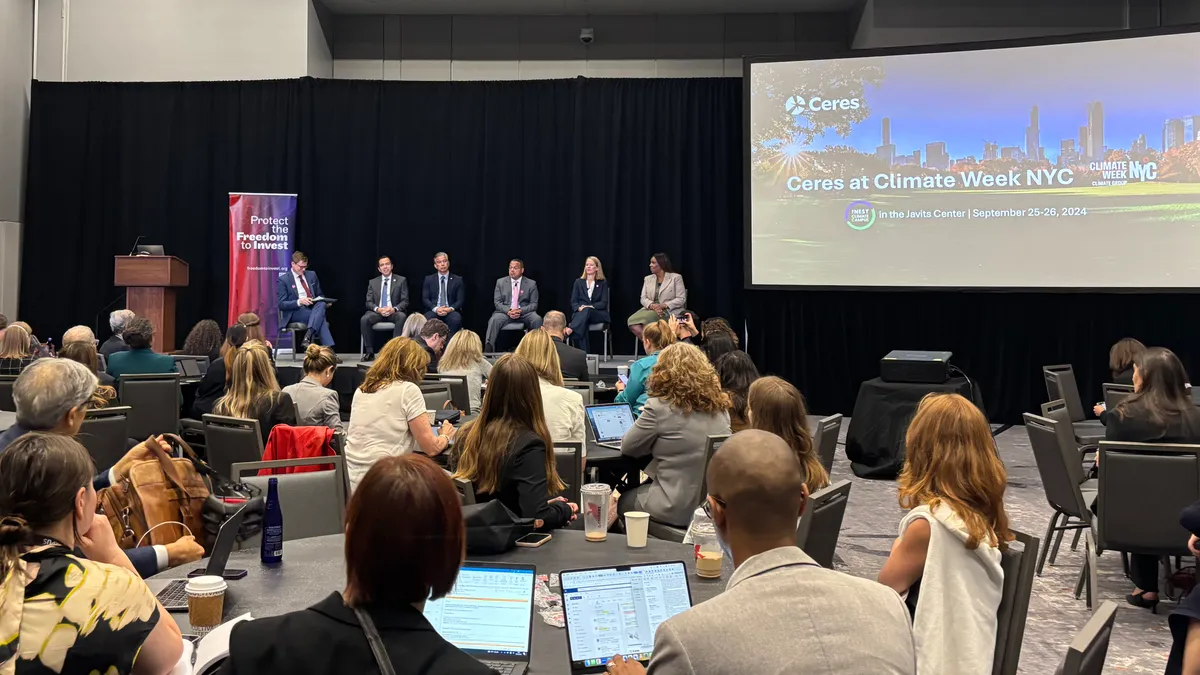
(902,365)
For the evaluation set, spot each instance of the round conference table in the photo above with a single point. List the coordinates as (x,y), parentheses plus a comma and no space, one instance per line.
(313,568)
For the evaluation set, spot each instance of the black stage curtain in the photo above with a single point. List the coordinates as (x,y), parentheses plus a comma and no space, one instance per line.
(549,171)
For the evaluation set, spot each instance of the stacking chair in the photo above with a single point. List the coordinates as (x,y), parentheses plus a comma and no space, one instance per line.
(819,525)
(670,532)
(1018,567)
(230,441)
(190,367)
(6,393)
(105,434)
(381,327)
(586,389)
(825,439)
(1060,384)
(1058,465)
(1057,411)
(510,326)
(603,328)
(1089,649)
(437,395)
(313,503)
(1115,393)
(568,458)
(155,401)
(295,330)
(466,491)
(460,394)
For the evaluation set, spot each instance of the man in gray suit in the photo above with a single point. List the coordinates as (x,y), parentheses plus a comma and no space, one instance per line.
(387,298)
(516,300)
(781,612)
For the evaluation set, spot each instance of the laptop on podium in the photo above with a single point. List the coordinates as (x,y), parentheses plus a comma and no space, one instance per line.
(489,614)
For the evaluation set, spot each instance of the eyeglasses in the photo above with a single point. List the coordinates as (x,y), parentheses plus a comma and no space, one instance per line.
(708,507)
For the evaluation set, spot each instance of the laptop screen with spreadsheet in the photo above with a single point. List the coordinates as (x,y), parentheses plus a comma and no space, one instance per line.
(489,611)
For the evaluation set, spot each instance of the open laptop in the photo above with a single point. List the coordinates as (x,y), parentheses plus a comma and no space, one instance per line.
(173,595)
(609,422)
(489,614)
(616,610)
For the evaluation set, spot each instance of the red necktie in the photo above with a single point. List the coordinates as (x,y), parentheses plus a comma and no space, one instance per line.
(304,283)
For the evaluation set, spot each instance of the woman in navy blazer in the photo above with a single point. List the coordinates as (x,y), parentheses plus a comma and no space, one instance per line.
(589,301)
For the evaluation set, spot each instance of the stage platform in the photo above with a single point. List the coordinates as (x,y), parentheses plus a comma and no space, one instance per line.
(606,370)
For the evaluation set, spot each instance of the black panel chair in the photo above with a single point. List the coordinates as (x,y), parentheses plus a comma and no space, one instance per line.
(314,502)
(460,393)
(1060,384)
(1018,564)
(1089,649)
(230,441)
(6,393)
(825,439)
(585,389)
(819,526)
(1061,474)
(1115,393)
(568,458)
(382,327)
(155,401)
(437,395)
(295,330)
(105,434)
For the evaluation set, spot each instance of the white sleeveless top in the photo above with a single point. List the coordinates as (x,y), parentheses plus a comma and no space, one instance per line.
(955,623)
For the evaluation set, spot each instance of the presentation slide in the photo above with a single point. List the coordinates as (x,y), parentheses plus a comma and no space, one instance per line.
(1053,166)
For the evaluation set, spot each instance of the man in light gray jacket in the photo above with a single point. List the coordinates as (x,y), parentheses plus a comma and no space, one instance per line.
(781,612)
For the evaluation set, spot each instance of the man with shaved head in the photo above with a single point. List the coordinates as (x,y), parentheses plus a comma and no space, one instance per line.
(781,612)
(571,360)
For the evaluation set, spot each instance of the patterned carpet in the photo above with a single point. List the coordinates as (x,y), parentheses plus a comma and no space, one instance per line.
(1140,641)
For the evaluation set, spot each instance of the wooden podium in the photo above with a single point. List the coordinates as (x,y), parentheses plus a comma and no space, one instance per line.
(150,282)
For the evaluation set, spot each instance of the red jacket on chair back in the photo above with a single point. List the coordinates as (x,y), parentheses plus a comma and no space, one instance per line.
(295,443)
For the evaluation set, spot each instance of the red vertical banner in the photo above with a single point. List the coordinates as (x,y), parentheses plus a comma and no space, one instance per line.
(261,231)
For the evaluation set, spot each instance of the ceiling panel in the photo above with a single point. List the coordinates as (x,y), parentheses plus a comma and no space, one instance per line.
(601,7)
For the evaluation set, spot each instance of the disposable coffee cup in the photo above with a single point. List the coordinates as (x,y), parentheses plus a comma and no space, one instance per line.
(432,415)
(206,602)
(637,523)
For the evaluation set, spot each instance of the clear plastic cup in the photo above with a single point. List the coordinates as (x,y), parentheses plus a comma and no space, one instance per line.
(595,497)
(432,415)
(637,525)
(709,555)
(206,602)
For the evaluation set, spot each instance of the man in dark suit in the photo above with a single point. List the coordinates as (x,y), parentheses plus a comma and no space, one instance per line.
(295,290)
(516,301)
(116,322)
(387,298)
(572,360)
(443,294)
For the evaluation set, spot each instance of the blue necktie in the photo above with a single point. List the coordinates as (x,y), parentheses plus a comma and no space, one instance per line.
(387,295)
(442,292)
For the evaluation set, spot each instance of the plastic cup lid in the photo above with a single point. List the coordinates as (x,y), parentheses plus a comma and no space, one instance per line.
(596,487)
(206,584)
(637,515)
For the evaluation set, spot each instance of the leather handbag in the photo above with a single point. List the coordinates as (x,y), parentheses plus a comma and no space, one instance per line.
(154,496)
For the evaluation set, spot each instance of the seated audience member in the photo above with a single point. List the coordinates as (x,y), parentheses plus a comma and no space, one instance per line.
(387,300)
(1121,358)
(85,353)
(78,334)
(387,414)
(737,373)
(139,359)
(443,294)
(1185,620)
(36,349)
(316,404)
(773,404)
(663,294)
(655,337)
(685,407)
(464,356)
(216,379)
(61,612)
(515,299)
(718,325)
(393,567)
(686,327)
(413,325)
(116,322)
(716,345)
(14,351)
(507,453)
(951,541)
(3,324)
(589,302)
(254,330)
(203,340)
(573,360)
(563,408)
(1160,410)
(53,395)
(778,598)
(254,393)
(434,335)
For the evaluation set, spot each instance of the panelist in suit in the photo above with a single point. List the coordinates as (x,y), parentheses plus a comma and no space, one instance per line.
(295,290)
(443,294)
(589,302)
(516,301)
(387,298)
(663,294)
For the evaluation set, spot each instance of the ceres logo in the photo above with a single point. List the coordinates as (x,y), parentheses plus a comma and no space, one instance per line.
(798,105)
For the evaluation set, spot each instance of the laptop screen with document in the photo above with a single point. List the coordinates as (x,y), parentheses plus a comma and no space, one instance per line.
(489,612)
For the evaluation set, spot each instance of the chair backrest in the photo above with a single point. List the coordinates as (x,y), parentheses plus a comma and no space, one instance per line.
(466,491)
(567,457)
(437,394)
(1018,566)
(1057,410)
(1142,489)
(105,434)
(6,393)
(1059,467)
(1060,383)
(710,448)
(231,440)
(101,363)
(155,402)
(1089,649)
(460,394)
(190,366)
(1115,393)
(818,528)
(593,364)
(825,439)
(313,503)
(585,389)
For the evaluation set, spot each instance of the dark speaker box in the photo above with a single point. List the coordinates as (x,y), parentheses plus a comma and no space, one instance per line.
(903,365)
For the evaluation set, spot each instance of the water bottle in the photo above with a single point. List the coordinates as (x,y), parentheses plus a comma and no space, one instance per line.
(272,531)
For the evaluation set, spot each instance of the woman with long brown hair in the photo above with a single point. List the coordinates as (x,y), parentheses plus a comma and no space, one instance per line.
(254,329)
(777,406)
(216,379)
(1121,357)
(254,392)
(950,541)
(506,451)
(737,372)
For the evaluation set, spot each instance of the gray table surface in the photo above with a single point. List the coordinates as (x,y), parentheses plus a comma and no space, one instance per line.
(7,419)
(313,568)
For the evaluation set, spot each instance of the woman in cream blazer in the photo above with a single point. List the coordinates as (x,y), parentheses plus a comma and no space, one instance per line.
(663,294)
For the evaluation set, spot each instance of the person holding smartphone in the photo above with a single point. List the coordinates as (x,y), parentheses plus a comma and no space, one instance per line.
(655,338)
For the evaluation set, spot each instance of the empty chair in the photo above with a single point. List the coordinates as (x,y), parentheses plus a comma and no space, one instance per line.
(1057,410)
(825,439)
(1060,384)
(6,393)
(1018,564)
(1089,649)
(1061,473)
(819,525)
(313,503)
(460,394)
(568,459)
(586,389)
(670,532)
(437,395)
(231,441)
(154,400)
(105,434)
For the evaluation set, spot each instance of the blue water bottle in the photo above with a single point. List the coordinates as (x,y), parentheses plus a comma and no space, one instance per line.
(272,533)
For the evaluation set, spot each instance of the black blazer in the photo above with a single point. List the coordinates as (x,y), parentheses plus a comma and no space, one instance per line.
(211,388)
(523,483)
(272,410)
(456,293)
(113,345)
(1134,427)
(579,295)
(572,360)
(326,639)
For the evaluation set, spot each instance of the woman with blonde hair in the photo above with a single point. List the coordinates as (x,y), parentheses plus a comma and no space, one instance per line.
(464,356)
(507,452)
(685,407)
(773,404)
(254,329)
(14,350)
(413,325)
(563,407)
(951,541)
(655,337)
(387,415)
(253,391)
(589,302)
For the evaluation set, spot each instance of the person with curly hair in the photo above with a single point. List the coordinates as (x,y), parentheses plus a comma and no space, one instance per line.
(203,340)
(685,406)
